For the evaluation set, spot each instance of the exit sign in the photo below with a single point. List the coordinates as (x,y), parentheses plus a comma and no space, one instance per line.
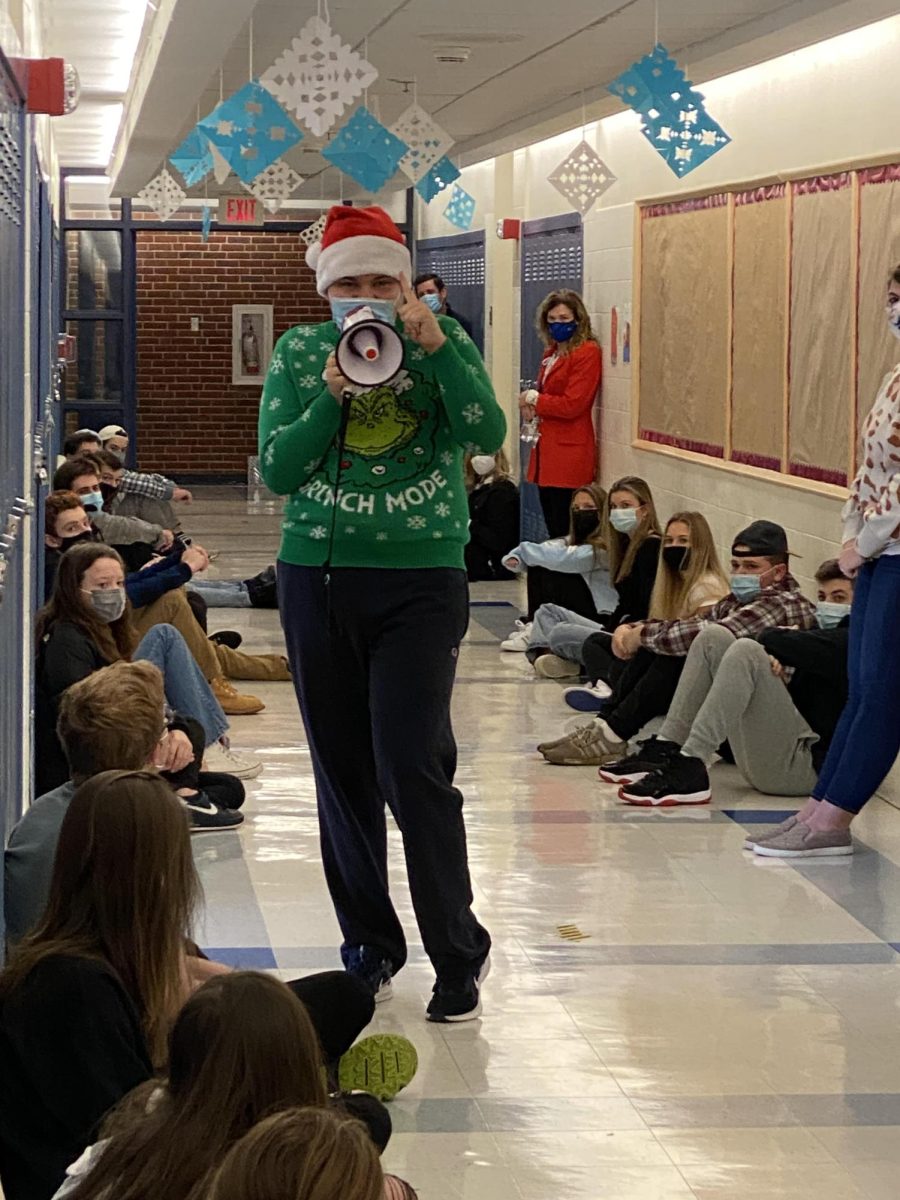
(241,210)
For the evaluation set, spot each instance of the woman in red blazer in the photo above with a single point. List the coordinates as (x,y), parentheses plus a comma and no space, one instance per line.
(565,455)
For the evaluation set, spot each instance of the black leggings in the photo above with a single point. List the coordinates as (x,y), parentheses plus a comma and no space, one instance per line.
(555,505)
(555,587)
(644,690)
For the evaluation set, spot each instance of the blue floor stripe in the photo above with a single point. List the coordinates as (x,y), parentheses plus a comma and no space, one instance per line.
(245,958)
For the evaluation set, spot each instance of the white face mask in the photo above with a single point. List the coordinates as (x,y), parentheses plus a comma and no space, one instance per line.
(483,464)
(893,316)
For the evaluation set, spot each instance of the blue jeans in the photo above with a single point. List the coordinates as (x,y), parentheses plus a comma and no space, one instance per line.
(186,689)
(867,738)
(221,593)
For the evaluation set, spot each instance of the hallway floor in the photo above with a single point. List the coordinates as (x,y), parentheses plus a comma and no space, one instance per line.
(726,1028)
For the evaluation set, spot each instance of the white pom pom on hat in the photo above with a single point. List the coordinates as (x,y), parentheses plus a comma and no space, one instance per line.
(358,241)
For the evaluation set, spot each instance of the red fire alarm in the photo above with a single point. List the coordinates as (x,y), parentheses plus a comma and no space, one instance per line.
(50,84)
(509,229)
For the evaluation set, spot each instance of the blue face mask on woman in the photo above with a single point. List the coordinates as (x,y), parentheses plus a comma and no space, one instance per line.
(342,307)
(830,615)
(623,520)
(561,331)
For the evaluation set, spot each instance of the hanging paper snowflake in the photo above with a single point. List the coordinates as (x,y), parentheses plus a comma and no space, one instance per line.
(674,119)
(365,150)
(313,233)
(427,142)
(274,185)
(583,177)
(319,76)
(461,208)
(206,222)
(250,131)
(192,158)
(163,194)
(441,175)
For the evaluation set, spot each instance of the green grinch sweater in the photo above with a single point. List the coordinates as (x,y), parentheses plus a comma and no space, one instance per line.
(402,500)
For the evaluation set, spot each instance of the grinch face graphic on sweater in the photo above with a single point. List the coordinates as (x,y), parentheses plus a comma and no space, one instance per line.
(387,425)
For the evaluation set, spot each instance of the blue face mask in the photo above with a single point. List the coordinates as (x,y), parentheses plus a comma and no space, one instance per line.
(745,587)
(623,520)
(561,331)
(92,501)
(341,308)
(433,300)
(830,615)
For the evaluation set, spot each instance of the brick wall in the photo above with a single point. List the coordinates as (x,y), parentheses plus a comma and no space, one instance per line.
(190,418)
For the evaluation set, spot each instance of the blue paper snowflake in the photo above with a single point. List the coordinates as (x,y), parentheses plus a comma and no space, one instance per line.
(206,222)
(461,208)
(441,175)
(366,150)
(674,119)
(250,130)
(192,158)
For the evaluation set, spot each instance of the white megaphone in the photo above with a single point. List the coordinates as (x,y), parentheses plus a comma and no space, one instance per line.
(370,351)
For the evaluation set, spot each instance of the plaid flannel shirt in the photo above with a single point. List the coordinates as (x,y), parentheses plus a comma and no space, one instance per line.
(779,606)
(151,487)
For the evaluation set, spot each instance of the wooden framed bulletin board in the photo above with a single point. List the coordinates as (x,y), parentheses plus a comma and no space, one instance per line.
(759,327)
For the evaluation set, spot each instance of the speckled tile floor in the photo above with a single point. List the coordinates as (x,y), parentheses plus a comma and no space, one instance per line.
(729,1027)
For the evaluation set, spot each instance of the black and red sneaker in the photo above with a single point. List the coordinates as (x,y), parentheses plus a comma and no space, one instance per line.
(650,756)
(681,781)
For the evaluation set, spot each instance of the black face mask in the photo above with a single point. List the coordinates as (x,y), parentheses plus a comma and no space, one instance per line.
(90,535)
(584,523)
(107,491)
(676,557)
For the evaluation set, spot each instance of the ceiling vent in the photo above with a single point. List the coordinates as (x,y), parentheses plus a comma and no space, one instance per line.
(452,54)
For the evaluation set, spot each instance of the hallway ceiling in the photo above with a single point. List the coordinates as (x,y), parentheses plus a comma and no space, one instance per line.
(529,69)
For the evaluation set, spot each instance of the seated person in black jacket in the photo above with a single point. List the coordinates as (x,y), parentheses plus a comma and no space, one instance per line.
(493,516)
(88,999)
(776,700)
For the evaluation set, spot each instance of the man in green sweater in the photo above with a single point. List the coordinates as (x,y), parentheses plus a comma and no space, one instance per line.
(374,601)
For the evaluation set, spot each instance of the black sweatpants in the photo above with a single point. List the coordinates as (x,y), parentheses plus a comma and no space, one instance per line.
(373,666)
(555,505)
(644,690)
(559,587)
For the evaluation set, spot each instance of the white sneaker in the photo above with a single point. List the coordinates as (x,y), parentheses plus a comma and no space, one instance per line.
(224,760)
(518,641)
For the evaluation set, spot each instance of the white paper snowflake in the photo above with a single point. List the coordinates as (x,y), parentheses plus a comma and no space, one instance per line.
(221,165)
(308,381)
(274,185)
(313,233)
(427,142)
(442,510)
(472,413)
(583,177)
(416,522)
(318,532)
(163,194)
(319,76)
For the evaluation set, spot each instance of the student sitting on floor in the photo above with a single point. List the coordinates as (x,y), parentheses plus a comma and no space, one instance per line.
(82,476)
(570,572)
(87,625)
(776,701)
(689,580)
(763,596)
(88,1000)
(305,1154)
(86,442)
(119,501)
(241,1049)
(493,515)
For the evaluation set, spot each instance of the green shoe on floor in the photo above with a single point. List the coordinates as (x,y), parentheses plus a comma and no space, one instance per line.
(381,1065)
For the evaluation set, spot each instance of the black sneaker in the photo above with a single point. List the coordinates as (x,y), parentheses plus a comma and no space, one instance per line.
(457,1000)
(650,756)
(227,637)
(682,780)
(369,964)
(206,816)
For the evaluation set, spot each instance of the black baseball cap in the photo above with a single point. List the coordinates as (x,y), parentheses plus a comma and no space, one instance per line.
(762,539)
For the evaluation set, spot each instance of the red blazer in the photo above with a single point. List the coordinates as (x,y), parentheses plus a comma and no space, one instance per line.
(566,452)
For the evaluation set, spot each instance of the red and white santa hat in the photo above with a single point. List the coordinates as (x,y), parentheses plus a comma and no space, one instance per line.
(358,241)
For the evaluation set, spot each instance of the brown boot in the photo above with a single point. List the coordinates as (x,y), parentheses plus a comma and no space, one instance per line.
(233,703)
(267,668)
